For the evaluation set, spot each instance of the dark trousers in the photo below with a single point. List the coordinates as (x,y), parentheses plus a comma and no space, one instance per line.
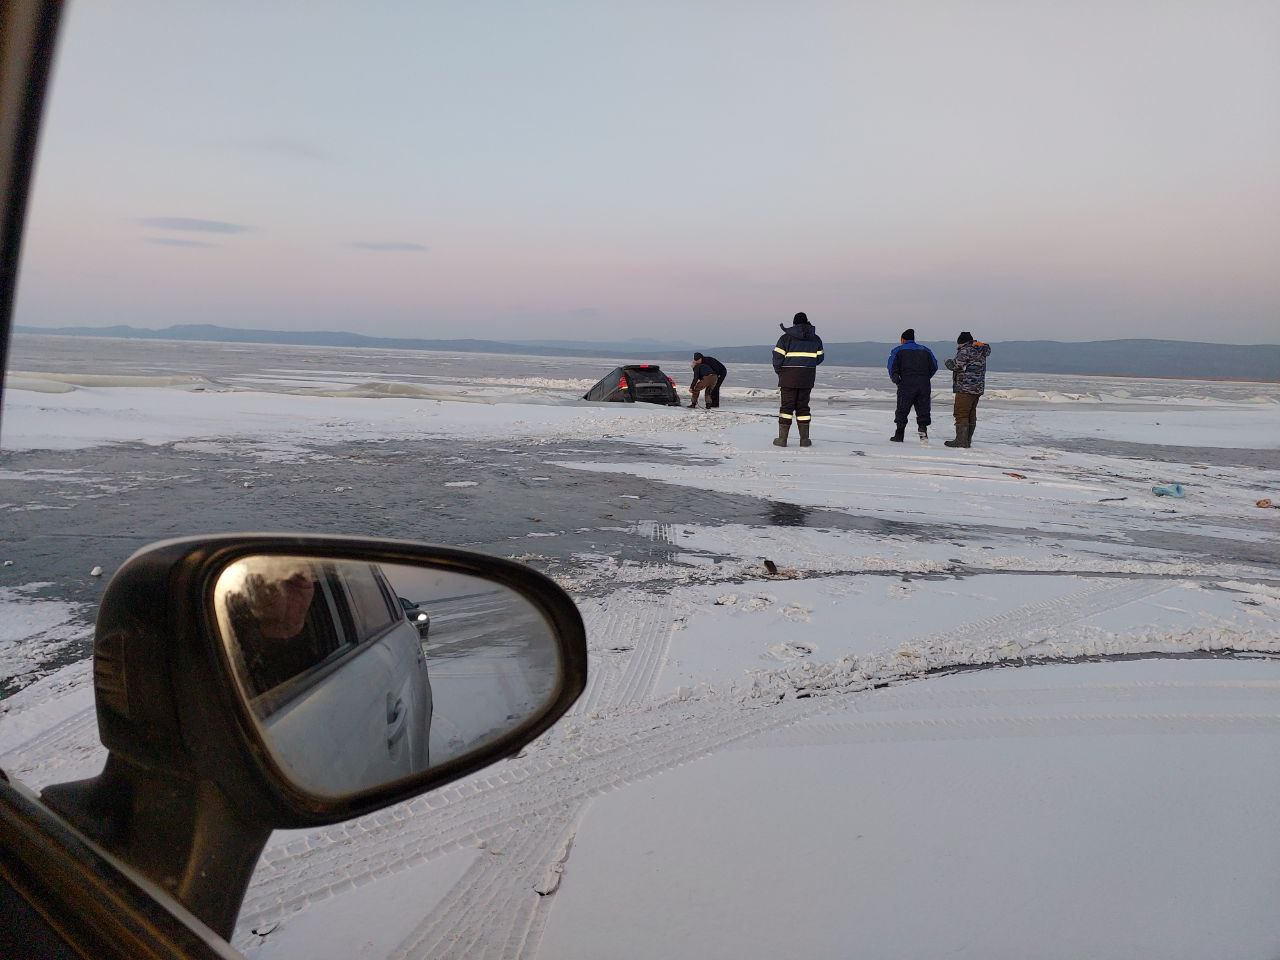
(966,409)
(713,395)
(795,404)
(913,393)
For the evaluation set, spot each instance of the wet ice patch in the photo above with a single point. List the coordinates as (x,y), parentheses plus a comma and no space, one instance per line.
(34,630)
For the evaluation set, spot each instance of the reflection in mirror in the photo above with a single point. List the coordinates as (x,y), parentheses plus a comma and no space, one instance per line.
(359,674)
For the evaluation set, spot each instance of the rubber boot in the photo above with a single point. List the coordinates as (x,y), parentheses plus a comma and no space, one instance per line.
(803,426)
(962,436)
(924,434)
(968,435)
(899,433)
(784,427)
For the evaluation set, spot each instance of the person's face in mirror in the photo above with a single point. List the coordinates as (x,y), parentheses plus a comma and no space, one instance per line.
(281,605)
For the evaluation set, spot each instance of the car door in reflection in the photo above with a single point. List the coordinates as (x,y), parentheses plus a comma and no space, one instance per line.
(359,713)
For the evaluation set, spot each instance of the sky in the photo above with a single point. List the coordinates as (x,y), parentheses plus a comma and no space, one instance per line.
(685,170)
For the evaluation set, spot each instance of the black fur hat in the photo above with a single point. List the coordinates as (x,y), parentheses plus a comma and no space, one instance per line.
(965,337)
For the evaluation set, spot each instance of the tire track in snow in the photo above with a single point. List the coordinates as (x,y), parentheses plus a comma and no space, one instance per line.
(624,747)
(655,530)
(623,752)
(1013,626)
(652,646)
(71,743)
(627,636)
(489,911)
(646,621)
(498,908)
(542,910)
(641,619)
(69,728)
(602,620)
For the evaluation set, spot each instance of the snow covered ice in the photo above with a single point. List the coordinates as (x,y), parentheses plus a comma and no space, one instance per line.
(762,765)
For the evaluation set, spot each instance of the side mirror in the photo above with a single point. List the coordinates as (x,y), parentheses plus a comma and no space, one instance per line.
(249,683)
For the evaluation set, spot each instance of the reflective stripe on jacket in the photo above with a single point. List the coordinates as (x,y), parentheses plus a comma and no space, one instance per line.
(797,355)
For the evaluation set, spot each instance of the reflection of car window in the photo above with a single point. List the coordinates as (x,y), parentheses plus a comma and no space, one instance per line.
(370,608)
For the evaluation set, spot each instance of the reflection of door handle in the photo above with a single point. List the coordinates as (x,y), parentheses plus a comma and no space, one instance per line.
(396,715)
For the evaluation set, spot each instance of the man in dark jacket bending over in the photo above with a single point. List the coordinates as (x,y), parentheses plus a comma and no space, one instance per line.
(718,368)
(911,366)
(795,361)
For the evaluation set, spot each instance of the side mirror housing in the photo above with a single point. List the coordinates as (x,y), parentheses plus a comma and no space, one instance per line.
(223,666)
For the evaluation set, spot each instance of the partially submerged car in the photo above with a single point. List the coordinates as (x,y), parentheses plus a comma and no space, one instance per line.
(636,383)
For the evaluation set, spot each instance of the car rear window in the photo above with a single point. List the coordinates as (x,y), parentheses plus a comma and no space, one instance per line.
(647,375)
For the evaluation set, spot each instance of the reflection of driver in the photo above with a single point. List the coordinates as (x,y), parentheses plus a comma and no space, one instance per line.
(281,606)
(275,622)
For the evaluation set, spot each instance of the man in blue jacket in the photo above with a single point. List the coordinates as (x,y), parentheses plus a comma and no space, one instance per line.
(911,366)
(795,361)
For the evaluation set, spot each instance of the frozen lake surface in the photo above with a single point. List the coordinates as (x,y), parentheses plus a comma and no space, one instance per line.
(732,782)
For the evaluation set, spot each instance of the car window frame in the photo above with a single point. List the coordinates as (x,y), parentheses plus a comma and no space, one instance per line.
(99,905)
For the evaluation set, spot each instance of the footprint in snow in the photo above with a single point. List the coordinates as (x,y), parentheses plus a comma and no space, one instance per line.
(900,590)
(790,651)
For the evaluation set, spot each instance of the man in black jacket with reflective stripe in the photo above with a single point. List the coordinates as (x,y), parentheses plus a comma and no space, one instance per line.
(795,361)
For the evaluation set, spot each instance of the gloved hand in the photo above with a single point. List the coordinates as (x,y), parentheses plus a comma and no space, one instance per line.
(949,364)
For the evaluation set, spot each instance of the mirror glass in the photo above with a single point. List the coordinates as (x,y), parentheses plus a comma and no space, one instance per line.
(359,673)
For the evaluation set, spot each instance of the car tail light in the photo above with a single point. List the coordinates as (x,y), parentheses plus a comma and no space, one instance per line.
(622,383)
(672,382)
(643,366)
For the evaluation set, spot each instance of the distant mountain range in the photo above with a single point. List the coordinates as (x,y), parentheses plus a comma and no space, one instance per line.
(1125,358)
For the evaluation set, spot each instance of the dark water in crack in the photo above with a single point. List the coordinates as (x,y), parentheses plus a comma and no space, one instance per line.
(69,511)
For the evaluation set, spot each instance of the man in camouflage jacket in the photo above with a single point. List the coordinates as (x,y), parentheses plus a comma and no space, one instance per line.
(968,381)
